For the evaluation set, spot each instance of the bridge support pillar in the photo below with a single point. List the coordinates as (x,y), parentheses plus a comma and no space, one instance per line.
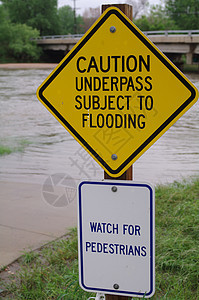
(189,58)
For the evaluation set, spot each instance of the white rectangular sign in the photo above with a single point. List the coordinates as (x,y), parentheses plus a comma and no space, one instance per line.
(116,226)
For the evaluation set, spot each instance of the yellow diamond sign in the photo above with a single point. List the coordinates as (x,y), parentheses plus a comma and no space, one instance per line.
(116,93)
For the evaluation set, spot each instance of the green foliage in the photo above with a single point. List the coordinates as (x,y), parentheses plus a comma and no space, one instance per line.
(66,21)
(156,20)
(4,150)
(185,13)
(177,14)
(38,14)
(21,47)
(8,148)
(21,21)
(4,32)
(15,40)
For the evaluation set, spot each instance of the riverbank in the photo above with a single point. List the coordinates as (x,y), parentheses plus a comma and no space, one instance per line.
(51,272)
(28,66)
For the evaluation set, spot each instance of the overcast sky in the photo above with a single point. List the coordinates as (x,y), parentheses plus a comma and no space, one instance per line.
(83,4)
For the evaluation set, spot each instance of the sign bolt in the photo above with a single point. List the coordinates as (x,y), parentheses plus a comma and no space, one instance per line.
(114,156)
(112,29)
(116,286)
(114,189)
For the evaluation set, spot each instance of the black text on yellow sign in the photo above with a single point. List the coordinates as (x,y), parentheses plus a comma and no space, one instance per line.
(88,89)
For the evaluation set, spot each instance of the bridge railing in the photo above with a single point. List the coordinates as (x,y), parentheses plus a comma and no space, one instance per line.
(67,36)
(160,32)
(170,32)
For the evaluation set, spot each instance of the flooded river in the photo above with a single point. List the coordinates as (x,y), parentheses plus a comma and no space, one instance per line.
(41,146)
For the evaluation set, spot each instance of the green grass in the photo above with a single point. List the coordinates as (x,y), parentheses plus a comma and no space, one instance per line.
(4,150)
(19,147)
(52,272)
(177,240)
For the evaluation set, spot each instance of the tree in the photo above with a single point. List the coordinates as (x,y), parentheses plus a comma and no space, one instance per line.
(155,20)
(15,40)
(4,32)
(22,46)
(185,13)
(39,14)
(66,21)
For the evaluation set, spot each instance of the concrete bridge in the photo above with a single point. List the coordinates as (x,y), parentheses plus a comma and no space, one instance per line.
(173,43)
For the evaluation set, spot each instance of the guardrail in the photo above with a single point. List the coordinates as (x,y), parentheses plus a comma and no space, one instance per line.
(68,36)
(174,32)
(160,32)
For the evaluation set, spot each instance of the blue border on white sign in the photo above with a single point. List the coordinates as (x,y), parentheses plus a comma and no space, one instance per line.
(152,238)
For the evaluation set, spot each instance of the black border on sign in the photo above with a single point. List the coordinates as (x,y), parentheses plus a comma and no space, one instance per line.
(155,52)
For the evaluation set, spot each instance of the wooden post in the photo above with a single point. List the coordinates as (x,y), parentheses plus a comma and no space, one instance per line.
(128,175)
(125,8)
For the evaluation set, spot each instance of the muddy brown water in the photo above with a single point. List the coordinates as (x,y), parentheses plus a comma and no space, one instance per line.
(42,147)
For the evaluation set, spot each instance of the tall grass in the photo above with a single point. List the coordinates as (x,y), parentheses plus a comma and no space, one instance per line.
(52,272)
(177,241)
